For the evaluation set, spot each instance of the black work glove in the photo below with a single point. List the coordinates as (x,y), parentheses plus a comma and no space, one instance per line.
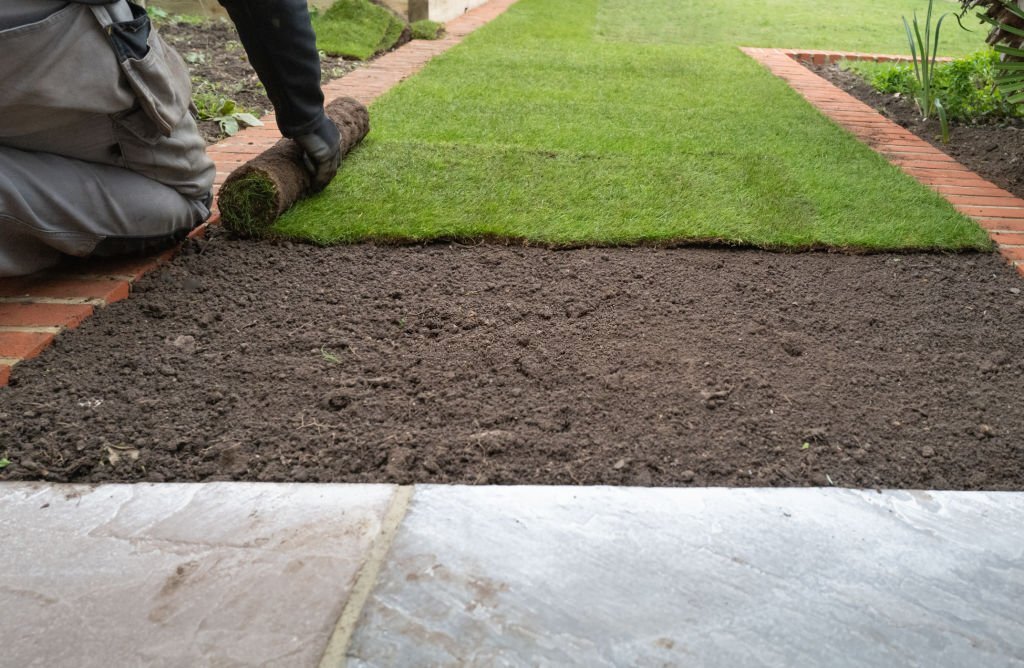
(322,153)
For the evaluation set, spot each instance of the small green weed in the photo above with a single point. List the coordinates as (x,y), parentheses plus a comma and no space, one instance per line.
(329,356)
(227,113)
(426,29)
(158,15)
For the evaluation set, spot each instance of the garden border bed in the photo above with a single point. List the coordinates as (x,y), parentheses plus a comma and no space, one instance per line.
(997,211)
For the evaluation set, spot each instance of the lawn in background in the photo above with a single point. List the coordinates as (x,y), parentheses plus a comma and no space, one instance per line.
(621,121)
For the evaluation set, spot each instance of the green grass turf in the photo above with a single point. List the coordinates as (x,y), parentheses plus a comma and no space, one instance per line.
(568,123)
(356,29)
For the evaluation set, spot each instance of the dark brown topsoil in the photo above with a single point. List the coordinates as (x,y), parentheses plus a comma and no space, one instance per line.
(218,65)
(993,150)
(487,364)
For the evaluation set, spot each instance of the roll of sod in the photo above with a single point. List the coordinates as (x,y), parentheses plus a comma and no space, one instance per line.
(257,193)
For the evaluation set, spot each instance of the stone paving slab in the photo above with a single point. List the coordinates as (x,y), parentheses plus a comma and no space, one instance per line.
(712,577)
(220,574)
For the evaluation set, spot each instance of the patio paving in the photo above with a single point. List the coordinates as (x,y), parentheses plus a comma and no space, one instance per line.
(713,577)
(179,575)
(277,574)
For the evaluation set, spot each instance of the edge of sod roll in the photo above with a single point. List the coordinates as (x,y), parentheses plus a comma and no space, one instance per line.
(249,204)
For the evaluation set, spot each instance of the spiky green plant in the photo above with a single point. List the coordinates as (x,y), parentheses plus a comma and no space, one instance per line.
(924,48)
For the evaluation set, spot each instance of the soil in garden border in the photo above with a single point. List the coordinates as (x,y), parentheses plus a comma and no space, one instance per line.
(995,151)
(508,365)
(218,65)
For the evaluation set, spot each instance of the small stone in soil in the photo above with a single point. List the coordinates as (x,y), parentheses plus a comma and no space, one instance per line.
(183,342)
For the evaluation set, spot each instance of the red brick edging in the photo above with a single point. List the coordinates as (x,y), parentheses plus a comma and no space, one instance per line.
(35,309)
(999,213)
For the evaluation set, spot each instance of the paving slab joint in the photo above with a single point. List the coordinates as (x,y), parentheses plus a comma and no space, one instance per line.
(335,654)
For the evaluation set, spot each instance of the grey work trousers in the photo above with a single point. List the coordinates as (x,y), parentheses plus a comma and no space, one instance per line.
(98,152)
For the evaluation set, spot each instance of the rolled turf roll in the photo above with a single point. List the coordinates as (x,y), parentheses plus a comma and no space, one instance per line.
(257,193)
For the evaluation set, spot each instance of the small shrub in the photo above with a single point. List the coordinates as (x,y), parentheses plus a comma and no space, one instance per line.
(425,29)
(966,86)
(895,79)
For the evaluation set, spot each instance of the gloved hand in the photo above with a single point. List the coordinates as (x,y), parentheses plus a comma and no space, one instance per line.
(322,153)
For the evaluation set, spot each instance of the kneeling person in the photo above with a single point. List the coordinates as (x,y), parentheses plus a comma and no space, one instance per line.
(99,154)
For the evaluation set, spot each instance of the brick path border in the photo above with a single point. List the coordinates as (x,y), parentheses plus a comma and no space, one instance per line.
(35,309)
(997,211)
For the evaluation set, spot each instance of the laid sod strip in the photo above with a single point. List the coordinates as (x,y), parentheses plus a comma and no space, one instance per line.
(852,25)
(356,29)
(559,123)
(258,192)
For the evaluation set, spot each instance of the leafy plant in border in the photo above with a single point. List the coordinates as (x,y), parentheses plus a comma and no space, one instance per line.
(224,111)
(924,50)
(1006,36)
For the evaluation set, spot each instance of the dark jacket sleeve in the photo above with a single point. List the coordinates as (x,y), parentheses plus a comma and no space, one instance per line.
(279,40)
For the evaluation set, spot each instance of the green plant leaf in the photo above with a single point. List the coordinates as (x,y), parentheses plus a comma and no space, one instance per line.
(247,119)
(228,124)
(943,120)
(4,463)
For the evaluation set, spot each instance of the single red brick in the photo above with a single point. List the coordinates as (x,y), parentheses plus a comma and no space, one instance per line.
(992,211)
(131,268)
(1014,254)
(1001,224)
(984,200)
(108,291)
(43,315)
(914,163)
(953,189)
(1008,238)
(5,374)
(23,345)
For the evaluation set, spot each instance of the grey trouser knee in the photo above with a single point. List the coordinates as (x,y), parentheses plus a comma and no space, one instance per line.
(98,151)
(97,209)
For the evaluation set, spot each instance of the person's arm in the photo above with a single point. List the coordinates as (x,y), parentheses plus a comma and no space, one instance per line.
(279,40)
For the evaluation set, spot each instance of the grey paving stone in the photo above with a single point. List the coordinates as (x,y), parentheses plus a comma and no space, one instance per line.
(222,574)
(645,577)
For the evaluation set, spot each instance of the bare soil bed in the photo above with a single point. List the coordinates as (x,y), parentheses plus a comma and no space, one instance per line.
(993,150)
(487,364)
